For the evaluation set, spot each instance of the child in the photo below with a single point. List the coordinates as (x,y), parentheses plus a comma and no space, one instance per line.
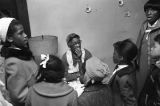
(20,68)
(123,81)
(150,95)
(95,93)
(50,89)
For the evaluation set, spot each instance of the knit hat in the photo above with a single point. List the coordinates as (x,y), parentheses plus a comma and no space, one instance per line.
(4,24)
(155,4)
(95,70)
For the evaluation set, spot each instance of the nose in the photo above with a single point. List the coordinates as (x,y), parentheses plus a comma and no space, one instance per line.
(25,36)
(149,12)
(77,45)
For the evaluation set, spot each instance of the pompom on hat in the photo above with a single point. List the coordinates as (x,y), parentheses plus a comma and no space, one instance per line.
(4,25)
(95,70)
(154,4)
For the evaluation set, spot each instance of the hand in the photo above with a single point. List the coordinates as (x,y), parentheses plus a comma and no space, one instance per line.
(78,52)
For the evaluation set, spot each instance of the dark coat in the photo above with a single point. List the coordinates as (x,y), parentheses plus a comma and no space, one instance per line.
(124,87)
(149,95)
(96,95)
(142,58)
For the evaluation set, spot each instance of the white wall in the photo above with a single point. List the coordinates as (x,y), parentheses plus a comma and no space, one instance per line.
(98,29)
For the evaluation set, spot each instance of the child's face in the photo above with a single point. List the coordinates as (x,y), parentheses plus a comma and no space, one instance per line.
(155,50)
(116,57)
(19,38)
(152,15)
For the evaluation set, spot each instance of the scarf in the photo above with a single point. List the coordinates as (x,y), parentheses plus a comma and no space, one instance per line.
(72,68)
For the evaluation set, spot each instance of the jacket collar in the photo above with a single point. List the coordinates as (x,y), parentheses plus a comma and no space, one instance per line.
(20,53)
(93,87)
(52,89)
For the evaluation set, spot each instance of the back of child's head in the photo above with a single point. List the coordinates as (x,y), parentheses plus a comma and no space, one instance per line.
(127,49)
(157,38)
(52,70)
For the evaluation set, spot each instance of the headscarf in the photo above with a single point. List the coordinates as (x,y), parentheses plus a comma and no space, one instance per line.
(4,25)
(95,70)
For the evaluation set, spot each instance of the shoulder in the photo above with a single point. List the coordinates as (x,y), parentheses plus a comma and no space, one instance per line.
(88,54)
(12,61)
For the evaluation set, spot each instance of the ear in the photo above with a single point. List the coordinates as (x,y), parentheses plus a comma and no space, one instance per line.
(9,39)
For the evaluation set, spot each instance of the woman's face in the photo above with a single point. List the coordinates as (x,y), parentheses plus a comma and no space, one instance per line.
(19,38)
(152,15)
(76,46)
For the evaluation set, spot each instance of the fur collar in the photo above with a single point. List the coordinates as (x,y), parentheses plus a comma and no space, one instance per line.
(23,54)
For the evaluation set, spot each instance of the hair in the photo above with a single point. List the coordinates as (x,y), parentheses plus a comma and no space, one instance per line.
(70,37)
(154,4)
(127,49)
(157,38)
(5,13)
(54,71)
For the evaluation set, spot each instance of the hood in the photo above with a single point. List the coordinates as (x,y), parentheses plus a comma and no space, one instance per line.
(52,89)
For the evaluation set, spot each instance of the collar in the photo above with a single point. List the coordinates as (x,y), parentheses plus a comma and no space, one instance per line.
(154,25)
(94,87)
(23,54)
(52,89)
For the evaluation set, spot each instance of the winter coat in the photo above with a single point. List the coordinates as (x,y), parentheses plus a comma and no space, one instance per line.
(95,95)
(20,72)
(123,87)
(51,94)
(149,95)
(142,58)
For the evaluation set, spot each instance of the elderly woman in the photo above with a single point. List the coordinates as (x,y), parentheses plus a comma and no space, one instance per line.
(74,60)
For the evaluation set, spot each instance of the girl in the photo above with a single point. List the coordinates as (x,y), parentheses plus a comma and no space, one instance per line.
(50,89)
(95,92)
(123,80)
(20,68)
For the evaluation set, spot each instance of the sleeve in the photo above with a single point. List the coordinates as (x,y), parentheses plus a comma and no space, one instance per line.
(28,98)
(146,92)
(87,54)
(126,91)
(138,43)
(18,80)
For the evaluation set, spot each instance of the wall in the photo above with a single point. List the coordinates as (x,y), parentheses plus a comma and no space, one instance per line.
(99,29)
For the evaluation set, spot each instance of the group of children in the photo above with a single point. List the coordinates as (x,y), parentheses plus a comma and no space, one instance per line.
(32,86)
(51,83)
